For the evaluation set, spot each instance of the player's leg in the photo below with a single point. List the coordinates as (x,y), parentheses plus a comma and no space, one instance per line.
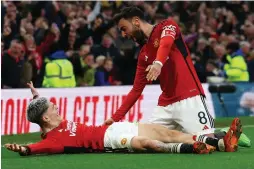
(163,116)
(192,114)
(161,133)
(122,136)
(144,144)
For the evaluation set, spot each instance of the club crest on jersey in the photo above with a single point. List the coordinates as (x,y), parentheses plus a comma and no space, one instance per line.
(156,43)
(123,141)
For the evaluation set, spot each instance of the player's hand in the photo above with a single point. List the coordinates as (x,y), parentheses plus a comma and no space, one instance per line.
(108,121)
(15,148)
(33,90)
(154,71)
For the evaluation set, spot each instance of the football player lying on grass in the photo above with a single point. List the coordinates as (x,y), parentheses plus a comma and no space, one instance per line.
(63,136)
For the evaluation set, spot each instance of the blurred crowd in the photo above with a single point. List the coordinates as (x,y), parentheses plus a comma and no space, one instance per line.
(72,44)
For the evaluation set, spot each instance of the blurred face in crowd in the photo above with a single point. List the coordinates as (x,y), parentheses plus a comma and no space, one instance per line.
(107,41)
(29,17)
(11,12)
(97,22)
(85,49)
(30,44)
(231,38)
(220,51)
(89,60)
(113,32)
(29,28)
(131,29)
(248,28)
(71,16)
(212,42)
(72,37)
(246,49)
(17,49)
(100,60)
(212,23)
(89,41)
(67,9)
(108,65)
(41,23)
(201,44)
(87,10)
(108,12)
(210,67)
(251,56)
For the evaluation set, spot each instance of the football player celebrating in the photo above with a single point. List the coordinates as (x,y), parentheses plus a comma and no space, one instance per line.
(165,56)
(63,136)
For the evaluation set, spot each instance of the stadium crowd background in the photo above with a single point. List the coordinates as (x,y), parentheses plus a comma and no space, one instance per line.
(34,33)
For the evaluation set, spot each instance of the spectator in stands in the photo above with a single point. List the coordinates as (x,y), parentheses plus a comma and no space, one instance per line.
(212,69)
(250,63)
(106,48)
(100,60)
(54,25)
(59,72)
(220,55)
(77,59)
(103,76)
(88,71)
(237,70)
(12,62)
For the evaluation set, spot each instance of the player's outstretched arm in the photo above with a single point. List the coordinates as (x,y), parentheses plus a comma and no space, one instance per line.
(42,147)
(33,90)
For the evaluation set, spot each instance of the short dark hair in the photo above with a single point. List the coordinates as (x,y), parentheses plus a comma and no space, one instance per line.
(128,13)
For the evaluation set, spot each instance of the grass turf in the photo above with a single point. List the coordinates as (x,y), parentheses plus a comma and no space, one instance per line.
(218,160)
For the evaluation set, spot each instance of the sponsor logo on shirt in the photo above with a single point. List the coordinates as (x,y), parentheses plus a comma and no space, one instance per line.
(72,127)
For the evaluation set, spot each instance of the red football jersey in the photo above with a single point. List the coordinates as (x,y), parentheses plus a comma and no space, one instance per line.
(70,137)
(178,78)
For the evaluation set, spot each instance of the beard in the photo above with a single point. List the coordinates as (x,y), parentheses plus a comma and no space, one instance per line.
(139,36)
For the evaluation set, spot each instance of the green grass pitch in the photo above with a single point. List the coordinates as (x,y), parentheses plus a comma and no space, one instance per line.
(243,159)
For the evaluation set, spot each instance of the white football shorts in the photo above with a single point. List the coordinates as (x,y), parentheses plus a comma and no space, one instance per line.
(118,136)
(189,115)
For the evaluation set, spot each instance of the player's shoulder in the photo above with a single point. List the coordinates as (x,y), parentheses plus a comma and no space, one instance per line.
(167,22)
